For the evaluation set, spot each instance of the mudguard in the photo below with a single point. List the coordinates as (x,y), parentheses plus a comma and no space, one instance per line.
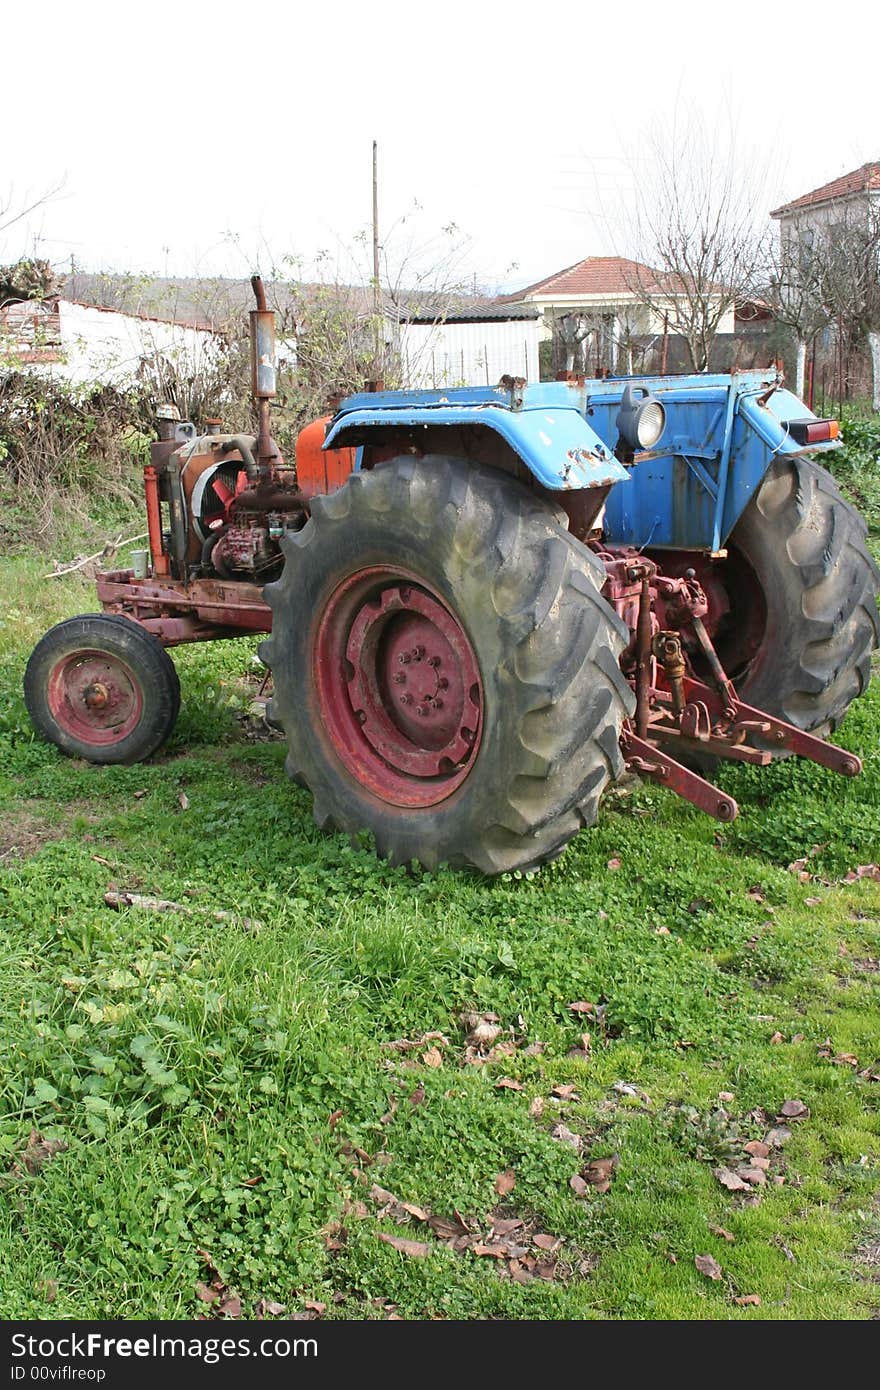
(556,443)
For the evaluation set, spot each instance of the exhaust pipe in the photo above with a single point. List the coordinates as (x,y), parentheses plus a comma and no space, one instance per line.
(263,382)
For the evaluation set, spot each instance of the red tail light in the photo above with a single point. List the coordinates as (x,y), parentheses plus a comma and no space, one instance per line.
(813,431)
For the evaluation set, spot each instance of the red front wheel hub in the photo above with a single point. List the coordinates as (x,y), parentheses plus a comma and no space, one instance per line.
(94,697)
(399,687)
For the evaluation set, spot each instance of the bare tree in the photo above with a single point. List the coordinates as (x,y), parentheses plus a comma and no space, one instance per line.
(695,232)
(798,292)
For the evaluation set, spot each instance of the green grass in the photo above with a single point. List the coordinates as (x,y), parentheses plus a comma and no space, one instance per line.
(195,1069)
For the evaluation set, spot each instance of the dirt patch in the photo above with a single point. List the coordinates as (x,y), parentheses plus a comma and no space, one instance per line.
(27,827)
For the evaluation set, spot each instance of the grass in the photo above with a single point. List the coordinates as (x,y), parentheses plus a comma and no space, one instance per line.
(227,1096)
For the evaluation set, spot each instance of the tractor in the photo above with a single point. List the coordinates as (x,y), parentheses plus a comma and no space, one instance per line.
(483,605)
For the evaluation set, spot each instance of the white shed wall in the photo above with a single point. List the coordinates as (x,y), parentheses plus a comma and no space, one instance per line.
(468,354)
(103,345)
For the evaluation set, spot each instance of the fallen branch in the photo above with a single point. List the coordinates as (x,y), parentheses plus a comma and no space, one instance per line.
(119,900)
(110,548)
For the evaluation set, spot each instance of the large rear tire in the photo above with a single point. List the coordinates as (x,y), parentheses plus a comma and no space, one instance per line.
(445,668)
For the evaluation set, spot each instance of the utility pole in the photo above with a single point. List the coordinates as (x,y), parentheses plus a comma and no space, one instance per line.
(378,366)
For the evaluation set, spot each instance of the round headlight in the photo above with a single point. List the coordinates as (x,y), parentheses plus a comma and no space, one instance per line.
(641,419)
(651,421)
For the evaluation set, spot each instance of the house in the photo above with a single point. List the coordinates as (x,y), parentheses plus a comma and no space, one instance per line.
(596,316)
(851,197)
(829,246)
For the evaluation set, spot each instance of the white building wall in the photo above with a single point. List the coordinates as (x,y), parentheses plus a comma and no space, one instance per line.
(468,354)
(107,346)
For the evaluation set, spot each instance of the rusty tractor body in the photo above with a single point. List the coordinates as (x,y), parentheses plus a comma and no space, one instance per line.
(481,605)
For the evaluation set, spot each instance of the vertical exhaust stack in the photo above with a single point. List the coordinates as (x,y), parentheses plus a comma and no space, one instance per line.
(263,381)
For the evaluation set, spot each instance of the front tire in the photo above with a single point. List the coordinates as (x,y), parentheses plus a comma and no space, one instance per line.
(806,546)
(101,687)
(433,570)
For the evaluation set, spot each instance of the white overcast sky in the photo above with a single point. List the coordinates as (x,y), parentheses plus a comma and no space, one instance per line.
(196,139)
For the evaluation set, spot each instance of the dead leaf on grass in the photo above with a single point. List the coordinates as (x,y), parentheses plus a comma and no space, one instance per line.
(545,1241)
(565,1136)
(708,1266)
(757,1149)
(505,1182)
(418,1212)
(777,1038)
(382,1197)
(447,1228)
(582,1006)
(600,1172)
(183,801)
(794,1110)
(871,871)
(536,1108)
(777,1136)
(36,1154)
(433,1057)
(507,1083)
(724,1234)
(732,1181)
(482,1029)
(578,1185)
(417,1096)
(413,1044)
(752,1174)
(565,1092)
(206,1294)
(749,1300)
(415,1249)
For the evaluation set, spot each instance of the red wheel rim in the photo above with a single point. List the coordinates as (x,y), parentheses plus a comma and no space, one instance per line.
(95,697)
(399,687)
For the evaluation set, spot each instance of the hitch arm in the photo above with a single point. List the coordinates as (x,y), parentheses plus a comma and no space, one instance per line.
(648,761)
(783,735)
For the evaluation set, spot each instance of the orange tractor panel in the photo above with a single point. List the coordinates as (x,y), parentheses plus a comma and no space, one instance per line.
(320,470)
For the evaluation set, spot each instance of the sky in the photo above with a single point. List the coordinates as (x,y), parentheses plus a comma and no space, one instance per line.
(192,140)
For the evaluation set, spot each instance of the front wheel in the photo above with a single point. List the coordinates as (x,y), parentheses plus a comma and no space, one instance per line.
(804,543)
(103,688)
(445,668)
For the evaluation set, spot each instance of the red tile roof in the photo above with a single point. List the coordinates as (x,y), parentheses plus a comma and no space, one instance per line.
(595,275)
(863,180)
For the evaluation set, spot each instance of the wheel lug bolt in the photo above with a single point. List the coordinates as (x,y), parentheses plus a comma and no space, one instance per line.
(404,659)
(406,699)
(422,710)
(399,678)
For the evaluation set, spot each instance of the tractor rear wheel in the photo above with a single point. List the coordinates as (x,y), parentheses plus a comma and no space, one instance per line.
(445,668)
(103,688)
